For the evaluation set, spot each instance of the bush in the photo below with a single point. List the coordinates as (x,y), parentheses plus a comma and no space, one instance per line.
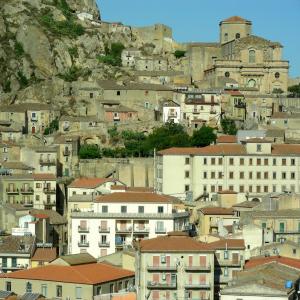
(73,73)
(73,51)
(179,53)
(203,136)
(228,126)
(53,126)
(112,55)
(6,86)
(89,151)
(19,51)
(23,81)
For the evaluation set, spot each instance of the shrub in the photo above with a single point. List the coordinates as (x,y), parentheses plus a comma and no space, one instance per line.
(89,151)
(72,74)
(112,55)
(73,51)
(179,53)
(19,51)
(23,81)
(6,86)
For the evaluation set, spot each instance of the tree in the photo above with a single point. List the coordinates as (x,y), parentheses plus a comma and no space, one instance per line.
(277,91)
(203,136)
(89,151)
(228,126)
(179,53)
(53,126)
(294,90)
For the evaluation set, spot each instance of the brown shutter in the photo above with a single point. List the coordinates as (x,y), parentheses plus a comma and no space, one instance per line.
(202,261)
(155,261)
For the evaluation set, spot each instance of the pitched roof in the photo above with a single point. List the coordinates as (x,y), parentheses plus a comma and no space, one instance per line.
(32,296)
(16,165)
(22,107)
(54,217)
(258,261)
(246,204)
(174,242)
(119,108)
(89,183)
(78,259)
(44,176)
(227,139)
(44,254)
(84,274)
(113,85)
(235,19)
(5,294)
(135,197)
(228,244)
(280,149)
(212,210)
(16,244)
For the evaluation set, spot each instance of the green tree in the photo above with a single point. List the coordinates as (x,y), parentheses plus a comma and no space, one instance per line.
(19,51)
(228,126)
(294,90)
(179,53)
(53,126)
(112,55)
(203,136)
(89,151)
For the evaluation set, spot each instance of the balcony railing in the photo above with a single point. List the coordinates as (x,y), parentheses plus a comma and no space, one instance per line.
(124,230)
(240,105)
(161,267)
(104,244)
(49,203)
(12,191)
(49,190)
(198,268)
(229,262)
(197,285)
(47,162)
(295,231)
(141,230)
(160,230)
(27,190)
(27,204)
(83,244)
(83,229)
(161,285)
(103,229)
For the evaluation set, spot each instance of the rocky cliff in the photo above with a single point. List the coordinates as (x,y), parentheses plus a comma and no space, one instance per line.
(44,47)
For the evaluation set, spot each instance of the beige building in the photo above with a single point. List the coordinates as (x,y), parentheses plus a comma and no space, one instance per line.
(83,281)
(79,123)
(234,105)
(174,266)
(253,168)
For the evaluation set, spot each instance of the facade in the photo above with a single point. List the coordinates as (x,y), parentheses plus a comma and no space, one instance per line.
(174,266)
(73,282)
(252,169)
(80,123)
(120,113)
(234,105)
(119,218)
(129,57)
(171,112)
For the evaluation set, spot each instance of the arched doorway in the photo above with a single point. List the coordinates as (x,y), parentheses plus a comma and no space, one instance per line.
(33,129)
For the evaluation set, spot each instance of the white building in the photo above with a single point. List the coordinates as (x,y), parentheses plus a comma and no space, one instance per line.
(119,218)
(171,112)
(254,168)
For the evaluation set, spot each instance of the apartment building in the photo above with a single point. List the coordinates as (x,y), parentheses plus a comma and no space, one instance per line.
(119,218)
(253,168)
(234,105)
(83,281)
(174,266)
(229,259)
(44,191)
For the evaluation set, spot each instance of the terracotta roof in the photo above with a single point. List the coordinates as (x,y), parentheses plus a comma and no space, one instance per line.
(211,210)
(135,197)
(139,189)
(229,192)
(227,139)
(89,183)
(229,244)
(257,140)
(78,259)
(246,204)
(54,217)
(118,187)
(220,149)
(279,149)
(83,274)
(291,262)
(44,176)
(236,19)
(18,165)
(234,93)
(41,216)
(44,254)
(173,242)
(12,244)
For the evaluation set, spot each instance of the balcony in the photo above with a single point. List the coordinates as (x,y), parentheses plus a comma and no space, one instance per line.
(103,229)
(197,268)
(27,190)
(197,286)
(172,115)
(212,112)
(13,266)
(47,162)
(27,204)
(161,285)
(141,230)
(83,244)
(49,190)
(229,263)
(12,191)
(116,119)
(66,152)
(49,203)
(83,229)
(104,244)
(240,105)
(160,230)
(163,267)
(125,230)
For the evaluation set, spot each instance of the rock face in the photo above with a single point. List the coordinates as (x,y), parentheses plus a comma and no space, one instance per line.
(89,6)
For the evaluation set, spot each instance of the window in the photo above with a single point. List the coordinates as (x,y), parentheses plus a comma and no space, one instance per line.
(225,271)
(212,188)
(266,175)
(205,161)
(28,287)
(205,175)
(186,174)
(8,286)
(124,209)
(186,187)
(220,161)
(213,161)
(258,148)
(242,161)
(220,175)
(118,93)
(213,175)
(225,37)
(274,161)
(44,290)
(160,209)
(227,74)
(258,189)
(258,161)
(231,188)
(274,175)
(241,175)
(266,161)
(38,185)
(266,189)
(78,291)
(274,188)
(263,225)
(104,209)
(4,150)
(250,161)
(277,75)
(283,188)
(292,175)
(252,56)
(14,259)
(37,197)
(141,209)
(231,161)
(237,35)
(147,105)
(283,175)
(242,189)
(226,254)
(187,160)
(281,227)
(250,188)
(283,162)
(258,175)
(250,175)
(220,188)
(231,175)
(293,162)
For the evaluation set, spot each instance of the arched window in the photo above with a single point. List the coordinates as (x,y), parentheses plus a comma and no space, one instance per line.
(237,36)
(277,75)
(251,83)
(28,287)
(227,74)
(226,37)
(251,56)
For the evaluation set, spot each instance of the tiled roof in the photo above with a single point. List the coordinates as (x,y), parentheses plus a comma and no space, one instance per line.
(139,189)
(81,274)
(44,176)
(5,294)
(118,187)
(227,139)
(89,183)
(258,261)
(236,19)
(44,254)
(78,259)
(16,165)
(55,217)
(284,213)
(112,85)
(280,149)
(32,296)
(119,108)
(246,204)
(13,244)
(135,197)
(257,140)
(22,107)
(211,210)
(228,244)
(174,242)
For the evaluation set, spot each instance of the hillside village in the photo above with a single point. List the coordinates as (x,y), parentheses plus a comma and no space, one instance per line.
(133,166)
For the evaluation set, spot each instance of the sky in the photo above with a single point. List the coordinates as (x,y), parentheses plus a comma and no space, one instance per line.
(198,20)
